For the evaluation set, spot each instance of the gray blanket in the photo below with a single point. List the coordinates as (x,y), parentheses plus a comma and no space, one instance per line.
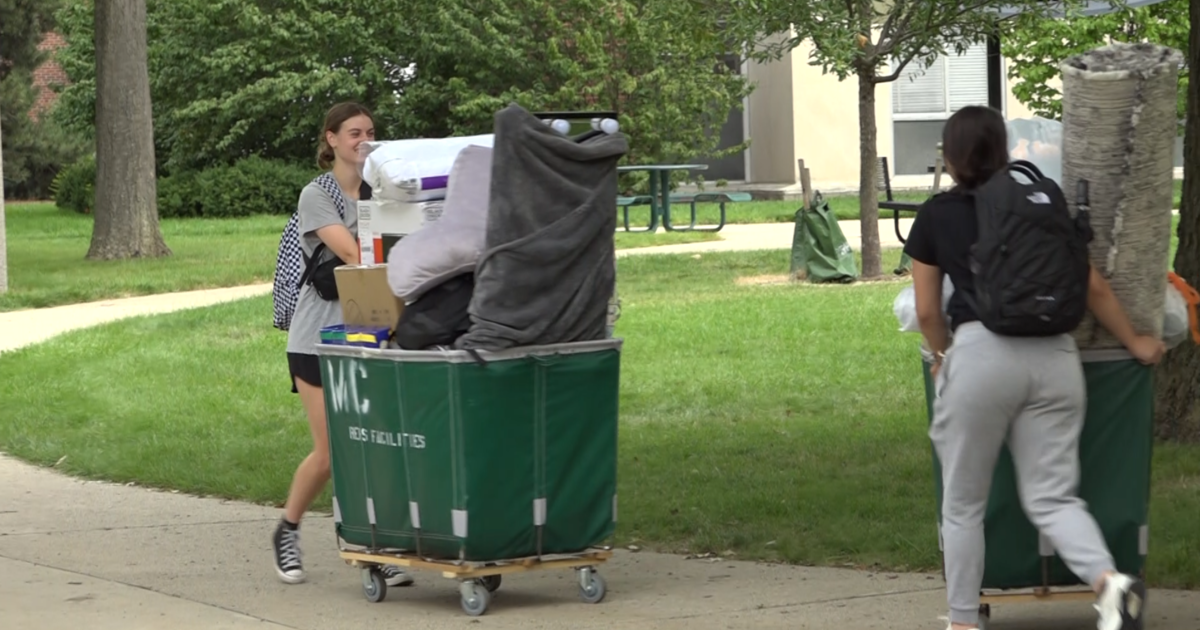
(548,271)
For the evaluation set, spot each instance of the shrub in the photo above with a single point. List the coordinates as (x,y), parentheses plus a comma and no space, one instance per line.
(73,187)
(250,186)
(35,157)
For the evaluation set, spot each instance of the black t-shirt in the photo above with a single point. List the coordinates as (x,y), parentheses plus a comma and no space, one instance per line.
(942,236)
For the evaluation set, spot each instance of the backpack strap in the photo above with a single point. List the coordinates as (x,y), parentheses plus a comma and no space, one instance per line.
(1028,169)
(310,264)
(329,185)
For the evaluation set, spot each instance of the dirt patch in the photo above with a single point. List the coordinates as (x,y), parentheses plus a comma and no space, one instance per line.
(770,280)
(885,278)
(745,281)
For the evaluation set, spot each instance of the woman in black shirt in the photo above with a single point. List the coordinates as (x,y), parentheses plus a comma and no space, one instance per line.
(1028,392)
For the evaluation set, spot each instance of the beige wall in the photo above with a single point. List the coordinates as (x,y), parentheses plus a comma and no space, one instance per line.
(772,118)
(797,112)
(826,129)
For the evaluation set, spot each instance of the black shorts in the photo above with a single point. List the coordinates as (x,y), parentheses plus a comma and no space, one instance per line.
(305,367)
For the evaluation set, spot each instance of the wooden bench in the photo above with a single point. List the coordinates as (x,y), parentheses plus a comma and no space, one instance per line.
(692,199)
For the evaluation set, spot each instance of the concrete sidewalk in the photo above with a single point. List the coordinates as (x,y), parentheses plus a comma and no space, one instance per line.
(22,328)
(91,555)
(76,554)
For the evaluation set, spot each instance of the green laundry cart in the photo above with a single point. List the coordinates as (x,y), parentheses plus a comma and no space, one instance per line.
(474,464)
(1115,458)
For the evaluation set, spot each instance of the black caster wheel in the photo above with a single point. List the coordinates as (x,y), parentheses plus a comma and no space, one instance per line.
(490,582)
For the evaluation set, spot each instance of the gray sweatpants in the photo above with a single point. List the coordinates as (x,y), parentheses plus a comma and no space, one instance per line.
(1031,393)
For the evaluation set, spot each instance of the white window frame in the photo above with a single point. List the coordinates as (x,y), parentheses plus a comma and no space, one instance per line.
(947,78)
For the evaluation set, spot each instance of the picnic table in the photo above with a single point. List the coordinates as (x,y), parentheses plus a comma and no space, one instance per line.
(660,198)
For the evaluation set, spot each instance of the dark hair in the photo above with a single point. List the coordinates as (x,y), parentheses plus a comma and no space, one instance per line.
(975,145)
(334,118)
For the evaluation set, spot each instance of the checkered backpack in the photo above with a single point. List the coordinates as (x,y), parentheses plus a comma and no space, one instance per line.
(291,268)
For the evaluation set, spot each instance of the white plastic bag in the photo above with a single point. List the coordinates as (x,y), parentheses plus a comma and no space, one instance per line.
(1038,141)
(1175,318)
(416,169)
(905,306)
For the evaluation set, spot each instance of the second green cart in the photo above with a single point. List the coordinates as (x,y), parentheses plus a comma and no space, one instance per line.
(1115,451)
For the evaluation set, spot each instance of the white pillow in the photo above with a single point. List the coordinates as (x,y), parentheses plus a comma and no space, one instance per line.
(452,245)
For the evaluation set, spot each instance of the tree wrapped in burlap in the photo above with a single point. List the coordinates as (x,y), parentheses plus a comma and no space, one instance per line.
(1119,128)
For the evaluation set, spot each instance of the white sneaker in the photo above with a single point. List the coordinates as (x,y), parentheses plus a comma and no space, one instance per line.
(394,575)
(950,626)
(1121,604)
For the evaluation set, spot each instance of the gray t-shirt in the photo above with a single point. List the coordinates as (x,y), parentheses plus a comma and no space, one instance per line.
(312,312)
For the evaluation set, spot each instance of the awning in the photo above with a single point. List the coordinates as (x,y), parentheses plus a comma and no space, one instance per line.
(1090,8)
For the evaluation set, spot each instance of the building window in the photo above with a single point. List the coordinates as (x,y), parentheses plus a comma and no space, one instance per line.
(923,97)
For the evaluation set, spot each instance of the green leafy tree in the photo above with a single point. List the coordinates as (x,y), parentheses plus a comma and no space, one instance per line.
(657,62)
(873,41)
(30,155)
(232,78)
(22,25)
(1036,46)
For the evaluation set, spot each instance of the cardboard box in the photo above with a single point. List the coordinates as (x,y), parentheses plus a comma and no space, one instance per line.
(366,298)
(382,222)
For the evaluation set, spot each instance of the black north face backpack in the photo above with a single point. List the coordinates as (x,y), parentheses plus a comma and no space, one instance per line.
(1031,262)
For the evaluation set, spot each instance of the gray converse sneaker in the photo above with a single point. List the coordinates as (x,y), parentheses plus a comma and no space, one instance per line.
(1121,604)
(287,554)
(395,576)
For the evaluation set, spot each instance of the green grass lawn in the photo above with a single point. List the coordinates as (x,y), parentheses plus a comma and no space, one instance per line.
(46,265)
(46,249)
(758,420)
(845,207)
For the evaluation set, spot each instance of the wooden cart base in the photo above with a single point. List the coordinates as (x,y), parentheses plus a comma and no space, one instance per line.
(477,581)
(1024,596)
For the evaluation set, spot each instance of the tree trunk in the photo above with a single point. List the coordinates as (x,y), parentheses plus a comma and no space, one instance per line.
(3,232)
(1177,378)
(868,196)
(126,213)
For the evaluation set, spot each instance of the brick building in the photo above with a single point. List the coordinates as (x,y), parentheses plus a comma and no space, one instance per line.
(46,75)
